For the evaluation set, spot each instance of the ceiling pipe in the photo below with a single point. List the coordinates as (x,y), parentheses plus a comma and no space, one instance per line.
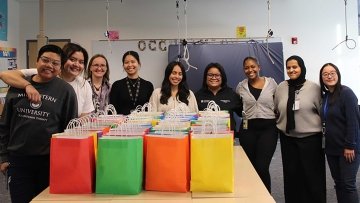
(41,38)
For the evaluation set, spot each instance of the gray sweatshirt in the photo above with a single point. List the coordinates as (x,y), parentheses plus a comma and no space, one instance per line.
(307,118)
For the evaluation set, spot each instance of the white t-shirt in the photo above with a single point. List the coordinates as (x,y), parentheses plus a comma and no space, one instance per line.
(82,89)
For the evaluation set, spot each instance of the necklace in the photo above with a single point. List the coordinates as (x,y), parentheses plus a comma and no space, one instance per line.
(135,84)
(97,88)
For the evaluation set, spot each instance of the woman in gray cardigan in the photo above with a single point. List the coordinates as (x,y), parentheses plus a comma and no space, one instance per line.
(258,134)
(297,102)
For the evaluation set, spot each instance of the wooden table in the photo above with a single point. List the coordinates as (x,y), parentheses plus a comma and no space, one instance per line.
(248,189)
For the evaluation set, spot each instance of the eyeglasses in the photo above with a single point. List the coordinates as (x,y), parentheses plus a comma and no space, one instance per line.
(99,65)
(54,63)
(326,75)
(217,76)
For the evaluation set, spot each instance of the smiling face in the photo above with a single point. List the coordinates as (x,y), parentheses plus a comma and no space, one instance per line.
(213,78)
(131,66)
(98,67)
(293,69)
(74,65)
(251,69)
(48,66)
(176,76)
(329,77)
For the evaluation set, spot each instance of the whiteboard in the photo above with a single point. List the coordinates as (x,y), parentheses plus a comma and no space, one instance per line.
(153,63)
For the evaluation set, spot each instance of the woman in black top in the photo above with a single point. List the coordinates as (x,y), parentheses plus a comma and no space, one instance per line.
(214,88)
(126,94)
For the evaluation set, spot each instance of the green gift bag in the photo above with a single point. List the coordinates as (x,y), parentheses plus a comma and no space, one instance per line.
(119,167)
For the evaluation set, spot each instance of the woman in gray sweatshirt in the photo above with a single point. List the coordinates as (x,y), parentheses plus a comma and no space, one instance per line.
(297,103)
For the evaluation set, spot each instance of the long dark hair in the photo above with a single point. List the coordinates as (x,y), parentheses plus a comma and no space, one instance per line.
(222,72)
(70,48)
(183,89)
(324,90)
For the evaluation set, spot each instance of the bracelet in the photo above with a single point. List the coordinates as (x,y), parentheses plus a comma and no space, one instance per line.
(27,85)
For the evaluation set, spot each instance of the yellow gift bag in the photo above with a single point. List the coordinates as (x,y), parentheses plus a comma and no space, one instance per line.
(212,163)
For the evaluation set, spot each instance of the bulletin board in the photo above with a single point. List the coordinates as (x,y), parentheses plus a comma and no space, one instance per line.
(156,54)
(7,61)
(231,56)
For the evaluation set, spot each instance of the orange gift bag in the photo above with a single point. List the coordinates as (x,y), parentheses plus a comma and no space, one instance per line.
(167,163)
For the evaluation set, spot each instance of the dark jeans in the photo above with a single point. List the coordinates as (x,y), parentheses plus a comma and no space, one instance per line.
(28,176)
(304,169)
(259,143)
(344,175)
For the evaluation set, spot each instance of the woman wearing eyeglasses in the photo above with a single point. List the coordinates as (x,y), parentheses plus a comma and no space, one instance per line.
(258,133)
(214,88)
(97,74)
(340,119)
(76,60)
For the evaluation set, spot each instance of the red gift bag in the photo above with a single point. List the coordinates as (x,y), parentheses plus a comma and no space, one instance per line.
(167,163)
(72,164)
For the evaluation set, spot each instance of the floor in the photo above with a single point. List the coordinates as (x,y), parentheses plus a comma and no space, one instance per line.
(276,174)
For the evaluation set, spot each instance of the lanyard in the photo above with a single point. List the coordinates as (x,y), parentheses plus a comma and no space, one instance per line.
(325,107)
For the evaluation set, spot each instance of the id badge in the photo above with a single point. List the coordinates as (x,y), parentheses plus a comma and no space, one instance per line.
(245,124)
(296,105)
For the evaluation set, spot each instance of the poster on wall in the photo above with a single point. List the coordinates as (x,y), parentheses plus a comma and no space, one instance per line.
(3,20)
(7,61)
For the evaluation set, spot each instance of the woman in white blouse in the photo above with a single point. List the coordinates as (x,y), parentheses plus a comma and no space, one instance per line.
(174,92)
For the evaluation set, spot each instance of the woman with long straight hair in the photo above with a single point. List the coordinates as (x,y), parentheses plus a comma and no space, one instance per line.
(174,91)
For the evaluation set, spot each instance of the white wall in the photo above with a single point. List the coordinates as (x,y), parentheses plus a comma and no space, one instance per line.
(319,25)
(13,27)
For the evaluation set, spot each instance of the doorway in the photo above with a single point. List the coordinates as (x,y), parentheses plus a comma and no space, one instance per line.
(32,52)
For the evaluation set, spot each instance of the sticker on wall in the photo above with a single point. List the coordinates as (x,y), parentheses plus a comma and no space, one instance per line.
(113,35)
(241,32)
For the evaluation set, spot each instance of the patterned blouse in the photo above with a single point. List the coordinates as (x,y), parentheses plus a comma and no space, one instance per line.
(100,100)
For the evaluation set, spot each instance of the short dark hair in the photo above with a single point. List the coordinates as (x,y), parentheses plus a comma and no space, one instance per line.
(250,58)
(54,49)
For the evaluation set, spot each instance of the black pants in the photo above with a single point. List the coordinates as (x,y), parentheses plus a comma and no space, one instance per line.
(304,169)
(259,143)
(28,177)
